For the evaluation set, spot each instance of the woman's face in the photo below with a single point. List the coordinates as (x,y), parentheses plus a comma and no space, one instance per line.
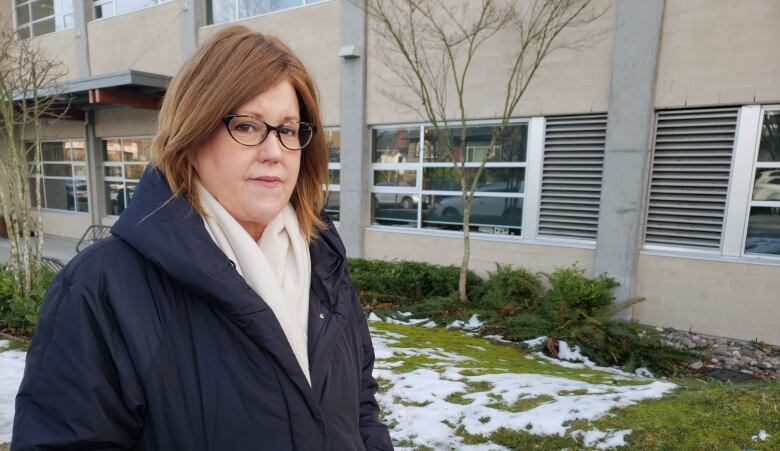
(253,183)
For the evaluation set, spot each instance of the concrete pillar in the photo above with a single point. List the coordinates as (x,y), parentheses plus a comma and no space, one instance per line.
(97,207)
(192,18)
(628,141)
(355,159)
(82,13)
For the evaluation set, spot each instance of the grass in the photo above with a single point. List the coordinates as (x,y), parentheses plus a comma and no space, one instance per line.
(699,415)
(14,344)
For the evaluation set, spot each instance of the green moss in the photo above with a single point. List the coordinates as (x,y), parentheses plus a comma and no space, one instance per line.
(404,402)
(577,392)
(383,385)
(521,405)
(496,358)
(524,440)
(457,398)
(701,415)
(14,344)
(470,439)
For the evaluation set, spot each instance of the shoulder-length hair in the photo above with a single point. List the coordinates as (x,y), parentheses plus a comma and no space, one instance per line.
(231,68)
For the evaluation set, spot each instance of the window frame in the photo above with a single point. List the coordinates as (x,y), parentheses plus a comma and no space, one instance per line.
(334,166)
(210,11)
(120,164)
(73,177)
(529,217)
(58,18)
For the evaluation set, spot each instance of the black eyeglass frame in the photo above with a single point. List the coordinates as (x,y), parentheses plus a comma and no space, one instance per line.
(269,128)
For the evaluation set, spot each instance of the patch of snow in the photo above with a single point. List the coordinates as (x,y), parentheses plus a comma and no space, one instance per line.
(473,323)
(429,325)
(418,321)
(406,314)
(498,338)
(4,344)
(534,342)
(457,324)
(761,436)
(602,440)
(572,354)
(477,347)
(11,371)
(415,401)
(374,317)
(644,372)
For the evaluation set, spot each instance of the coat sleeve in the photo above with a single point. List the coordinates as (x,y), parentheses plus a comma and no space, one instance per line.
(374,434)
(80,389)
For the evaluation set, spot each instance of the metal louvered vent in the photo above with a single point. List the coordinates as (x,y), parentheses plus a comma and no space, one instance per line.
(690,178)
(571,176)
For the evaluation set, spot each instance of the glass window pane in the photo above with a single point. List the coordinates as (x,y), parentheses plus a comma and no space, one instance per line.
(767,184)
(82,197)
(399,177)
(22,15)
(498,215)
(763,234)
(335,176)
(396,145)
(42,8)
(223,11)
(394,209)
(492,180)
(58,170)
(332,204)
(769,149)
(55,151)
(126,6)
(102,11)
(249,8)
(79,170)
(112,151)
(333,141)
(134,171)
(44,27)
(115,198)
(23,33)
(136,149)
(59,194)
(510,146)
(78,150)
(112,171)
(130,191)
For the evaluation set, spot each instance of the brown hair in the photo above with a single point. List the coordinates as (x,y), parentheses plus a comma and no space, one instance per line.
(234,66)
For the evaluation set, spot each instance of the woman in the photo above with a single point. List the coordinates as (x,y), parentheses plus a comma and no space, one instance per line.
(220,314)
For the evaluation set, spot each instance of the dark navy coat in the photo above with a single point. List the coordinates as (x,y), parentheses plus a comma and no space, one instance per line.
(151,340)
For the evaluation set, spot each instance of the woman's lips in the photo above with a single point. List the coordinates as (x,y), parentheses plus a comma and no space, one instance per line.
(269,182)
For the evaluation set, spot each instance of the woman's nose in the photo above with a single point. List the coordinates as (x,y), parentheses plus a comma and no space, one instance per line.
(271,148)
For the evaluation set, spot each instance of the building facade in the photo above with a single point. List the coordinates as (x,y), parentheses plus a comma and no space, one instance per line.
(652,155)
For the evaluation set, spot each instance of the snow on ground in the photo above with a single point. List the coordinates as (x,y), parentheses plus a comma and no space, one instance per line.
(761,436)
(416,403)
(11,370)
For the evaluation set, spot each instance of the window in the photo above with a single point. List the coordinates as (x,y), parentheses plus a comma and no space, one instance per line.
(416,186)
(38,17)
(109,8)
(64,176)
(124,161)
(221,11)
(763,229)
(332,203)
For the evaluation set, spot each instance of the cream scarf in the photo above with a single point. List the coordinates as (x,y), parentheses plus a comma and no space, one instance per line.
(278,267)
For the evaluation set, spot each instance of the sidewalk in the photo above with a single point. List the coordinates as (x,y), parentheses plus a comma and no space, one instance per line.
(53,246)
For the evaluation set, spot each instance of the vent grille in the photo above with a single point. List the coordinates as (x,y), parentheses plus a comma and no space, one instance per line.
(690,177)
(571,176)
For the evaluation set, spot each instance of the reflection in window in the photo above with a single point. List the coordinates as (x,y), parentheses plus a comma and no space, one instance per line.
(399,168)
(64,176)
(221,11)
(39,17)
(124,162)
(763,231)
(109,8)
(332,201)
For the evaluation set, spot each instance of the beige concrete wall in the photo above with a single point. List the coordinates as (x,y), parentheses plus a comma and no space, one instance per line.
(121,122)
(484,254)
(146,40)
(60,47)
(71,225)
(568,82)
(729,299)
(719,52)
(313,33)
(60,129)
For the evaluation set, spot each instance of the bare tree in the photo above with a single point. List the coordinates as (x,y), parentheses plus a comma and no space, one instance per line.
(431,45)
(28,96)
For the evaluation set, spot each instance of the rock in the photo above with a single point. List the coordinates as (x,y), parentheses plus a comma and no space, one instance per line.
(735,353)
(696,365)
(714,360)
(765,365)
(730,362)
(659,329)
(744,371)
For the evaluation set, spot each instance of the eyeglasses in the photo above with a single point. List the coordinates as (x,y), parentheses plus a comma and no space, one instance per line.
(250,131)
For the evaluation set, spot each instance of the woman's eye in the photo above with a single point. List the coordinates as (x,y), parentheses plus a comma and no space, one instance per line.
(246,127)
(288,131)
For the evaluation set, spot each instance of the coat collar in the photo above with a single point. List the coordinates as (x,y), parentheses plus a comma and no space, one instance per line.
(168,232)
